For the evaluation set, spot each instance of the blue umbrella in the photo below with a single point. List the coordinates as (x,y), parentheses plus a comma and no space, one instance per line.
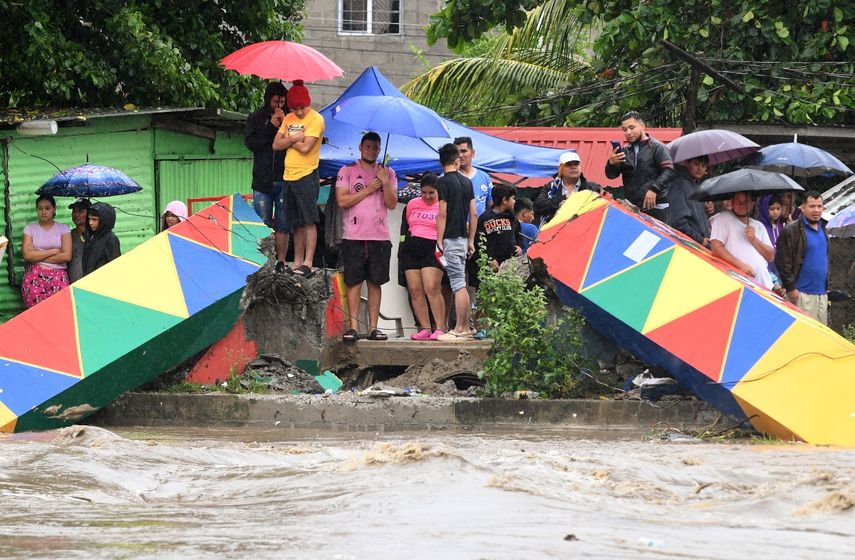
(392,115)
(798,160)
(89,181)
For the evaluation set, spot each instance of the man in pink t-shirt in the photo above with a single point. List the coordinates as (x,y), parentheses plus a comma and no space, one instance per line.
(366,191)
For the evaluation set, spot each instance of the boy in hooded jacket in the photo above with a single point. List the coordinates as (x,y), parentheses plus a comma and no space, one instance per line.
(102,245)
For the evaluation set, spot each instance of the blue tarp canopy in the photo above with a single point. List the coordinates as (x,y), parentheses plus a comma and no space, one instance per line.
(411,156)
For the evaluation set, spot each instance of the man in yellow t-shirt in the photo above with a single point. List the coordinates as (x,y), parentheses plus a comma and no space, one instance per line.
(301,133)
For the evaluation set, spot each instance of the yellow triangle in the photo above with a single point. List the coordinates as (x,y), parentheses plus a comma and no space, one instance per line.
(689,283)
(7,419)
(805,382)
(577,203)
(145,276)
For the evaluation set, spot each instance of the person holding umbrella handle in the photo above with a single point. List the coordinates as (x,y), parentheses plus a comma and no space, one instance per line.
(743,241)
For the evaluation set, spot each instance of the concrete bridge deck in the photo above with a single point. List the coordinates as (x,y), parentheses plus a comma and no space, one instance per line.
(405,352)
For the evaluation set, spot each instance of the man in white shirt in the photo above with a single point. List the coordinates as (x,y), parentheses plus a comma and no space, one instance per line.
(742,241)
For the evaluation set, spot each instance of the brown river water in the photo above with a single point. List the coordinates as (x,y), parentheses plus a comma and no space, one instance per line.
(86,492)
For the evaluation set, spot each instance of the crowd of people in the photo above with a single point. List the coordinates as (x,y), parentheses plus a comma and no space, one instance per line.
(458,214)
(56,255)
(443,228)
(778,245)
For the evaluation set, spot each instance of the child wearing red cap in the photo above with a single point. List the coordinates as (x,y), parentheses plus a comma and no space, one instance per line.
(301,133)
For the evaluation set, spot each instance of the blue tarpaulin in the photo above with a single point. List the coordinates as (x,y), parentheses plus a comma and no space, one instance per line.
(419,155)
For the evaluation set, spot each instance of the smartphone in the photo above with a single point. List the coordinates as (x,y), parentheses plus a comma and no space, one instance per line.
(615,145)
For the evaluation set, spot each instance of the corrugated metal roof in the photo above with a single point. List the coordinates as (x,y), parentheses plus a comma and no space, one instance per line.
(592,144)
(215,118)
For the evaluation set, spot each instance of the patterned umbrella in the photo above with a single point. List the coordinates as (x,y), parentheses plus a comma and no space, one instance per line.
(89,181)
(668,301)
(282,60)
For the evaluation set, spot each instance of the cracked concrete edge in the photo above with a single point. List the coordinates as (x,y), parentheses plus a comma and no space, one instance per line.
(352,412)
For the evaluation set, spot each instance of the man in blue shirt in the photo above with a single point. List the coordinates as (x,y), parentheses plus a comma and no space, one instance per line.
(802,259)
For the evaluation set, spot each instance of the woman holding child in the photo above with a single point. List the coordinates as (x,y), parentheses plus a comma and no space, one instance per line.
(46,249)
(418,258)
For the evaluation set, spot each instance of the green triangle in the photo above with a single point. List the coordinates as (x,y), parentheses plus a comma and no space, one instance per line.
(245,238)
(628,296)
(108,328)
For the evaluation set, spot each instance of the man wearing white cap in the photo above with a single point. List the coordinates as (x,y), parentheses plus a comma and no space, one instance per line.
(570,179)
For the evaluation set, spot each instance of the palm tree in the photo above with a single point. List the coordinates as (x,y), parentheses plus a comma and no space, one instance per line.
(542,56)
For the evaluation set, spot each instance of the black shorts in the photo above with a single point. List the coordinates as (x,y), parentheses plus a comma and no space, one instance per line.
(301,200)
(418,253)
(365,260)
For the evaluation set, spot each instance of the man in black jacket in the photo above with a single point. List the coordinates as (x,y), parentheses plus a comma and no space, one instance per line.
(684,213)
(268,167)
(646,167)
(570,179)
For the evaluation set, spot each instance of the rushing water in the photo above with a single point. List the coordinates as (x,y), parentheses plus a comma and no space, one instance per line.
(85,492)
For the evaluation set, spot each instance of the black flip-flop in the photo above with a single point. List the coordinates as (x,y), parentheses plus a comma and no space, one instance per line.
(283,268)
(350,336)
(377,335)
(304,271)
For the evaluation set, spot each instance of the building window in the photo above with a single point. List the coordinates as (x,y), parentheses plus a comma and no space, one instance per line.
(369,17)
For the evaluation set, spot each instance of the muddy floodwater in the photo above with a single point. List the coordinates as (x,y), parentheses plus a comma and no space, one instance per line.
(86,492)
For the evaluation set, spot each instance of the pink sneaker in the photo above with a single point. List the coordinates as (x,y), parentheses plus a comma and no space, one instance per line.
(423,334)
(436,334)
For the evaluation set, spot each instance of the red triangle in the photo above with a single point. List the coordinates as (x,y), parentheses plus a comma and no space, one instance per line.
(566,249)
(210,226)
(44,336)
(700,338)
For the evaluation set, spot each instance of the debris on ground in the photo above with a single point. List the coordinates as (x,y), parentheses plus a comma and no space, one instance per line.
(281,375)
(440,378)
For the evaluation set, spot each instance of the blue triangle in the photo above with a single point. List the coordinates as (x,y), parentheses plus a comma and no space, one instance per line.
(759,323)
(619,232)
(24,387)
(243,212)
(207,275)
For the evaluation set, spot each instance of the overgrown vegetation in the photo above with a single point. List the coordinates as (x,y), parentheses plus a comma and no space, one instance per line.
(113,53)
(529,353)
(849,332)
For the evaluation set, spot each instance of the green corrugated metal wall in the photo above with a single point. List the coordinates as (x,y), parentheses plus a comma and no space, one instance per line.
(169,164)
(188,179)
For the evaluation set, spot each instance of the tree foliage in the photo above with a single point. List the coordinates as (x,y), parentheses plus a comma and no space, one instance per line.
(792,61)
(107,53)
(538,56)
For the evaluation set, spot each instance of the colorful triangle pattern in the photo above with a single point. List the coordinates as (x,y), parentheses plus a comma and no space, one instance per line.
(59,350)
(114,313)
(699,317)
(570,247)
(624,241)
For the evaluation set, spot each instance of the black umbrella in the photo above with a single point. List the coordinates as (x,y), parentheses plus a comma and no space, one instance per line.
(754,181)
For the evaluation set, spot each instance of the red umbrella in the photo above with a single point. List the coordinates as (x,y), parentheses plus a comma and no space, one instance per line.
(282,60)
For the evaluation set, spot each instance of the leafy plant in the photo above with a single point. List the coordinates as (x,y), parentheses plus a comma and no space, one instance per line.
(114,53)
(789,62)
(529,352)
(849,332)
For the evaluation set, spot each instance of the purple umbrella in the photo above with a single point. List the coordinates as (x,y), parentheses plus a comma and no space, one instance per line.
(718,145)
(843,223)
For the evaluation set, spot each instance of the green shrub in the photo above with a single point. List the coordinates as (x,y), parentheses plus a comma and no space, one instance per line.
(849,332)
(528,352)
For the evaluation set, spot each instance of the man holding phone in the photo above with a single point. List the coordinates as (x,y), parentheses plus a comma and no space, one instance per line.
(645,165)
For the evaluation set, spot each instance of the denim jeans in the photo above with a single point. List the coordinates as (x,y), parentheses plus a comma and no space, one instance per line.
(271,207)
